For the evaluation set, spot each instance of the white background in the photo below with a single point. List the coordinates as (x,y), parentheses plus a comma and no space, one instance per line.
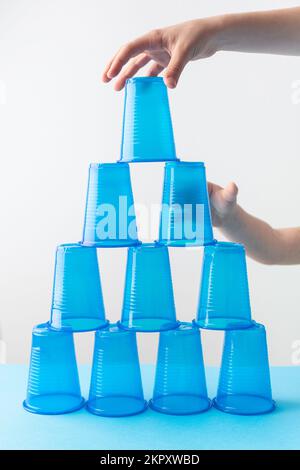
(235,112)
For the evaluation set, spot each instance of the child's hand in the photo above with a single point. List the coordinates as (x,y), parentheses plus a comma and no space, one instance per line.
(222,202)
(169,48)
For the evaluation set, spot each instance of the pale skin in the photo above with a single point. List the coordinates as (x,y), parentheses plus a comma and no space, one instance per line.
(168,50)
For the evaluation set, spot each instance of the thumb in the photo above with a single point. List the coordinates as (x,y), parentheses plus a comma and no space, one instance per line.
(230,192)
(176,65)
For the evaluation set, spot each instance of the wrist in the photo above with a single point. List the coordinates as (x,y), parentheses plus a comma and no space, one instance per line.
(225,31)
(220,27)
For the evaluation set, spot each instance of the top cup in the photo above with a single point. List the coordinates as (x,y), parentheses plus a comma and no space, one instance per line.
(147,134)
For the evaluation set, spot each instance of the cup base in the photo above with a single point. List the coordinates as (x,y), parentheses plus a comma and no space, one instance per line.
(110,243)
(221,323)
(148,325)
(146,160)
(116,406)
(80,325)
(180,404)
(186,243)
(54,404)
(244,404)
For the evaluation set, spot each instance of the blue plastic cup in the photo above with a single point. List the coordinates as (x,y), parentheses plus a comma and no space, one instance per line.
(244,382)
(116,385)
(148,303)
(109,213)
(224,302)
(53,384)
(185,215)
(180,385)
(77,299)
(147,134)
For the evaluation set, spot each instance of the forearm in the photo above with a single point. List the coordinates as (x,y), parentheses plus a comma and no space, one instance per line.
(262,242)
(272,32)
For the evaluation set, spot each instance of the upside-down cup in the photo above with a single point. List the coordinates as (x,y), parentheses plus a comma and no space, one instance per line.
(180,385)
(148,303)
(116,386)
(77,299)
(147,134)
(224,301)
(53,383)
(109,213)
(244,382)
(185,214)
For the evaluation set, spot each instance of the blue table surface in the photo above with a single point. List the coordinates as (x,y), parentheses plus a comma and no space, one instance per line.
(150,430)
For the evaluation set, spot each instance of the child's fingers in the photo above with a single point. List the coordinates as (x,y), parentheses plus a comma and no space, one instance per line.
(105,77)
(154,70)
(176,65)
(130,50)
(132,68)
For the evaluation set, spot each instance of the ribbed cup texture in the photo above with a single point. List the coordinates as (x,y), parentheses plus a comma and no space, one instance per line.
(116,386)
(244,383)
(109,214)
(185,214)
(77,299)
(53,383)
(180,386)
(147,133)
(148,303)
(224,301)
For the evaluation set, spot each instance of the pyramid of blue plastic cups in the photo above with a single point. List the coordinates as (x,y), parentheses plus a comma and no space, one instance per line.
(224,301)
(116,385)
(53,383)
(185,214)
(148,303)
(180,385)
(147,134)
(109,213)
(244,382)
(77,299)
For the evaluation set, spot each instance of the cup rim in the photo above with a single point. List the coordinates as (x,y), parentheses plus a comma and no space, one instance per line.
(243,413)
(144,79)
(67,246)
(252,328)
(44,329)
(223,245)
(147,245)
(153,406)
(102,165)
(112,329)
(185,163)
(107,244)
(255,326)
(94,411)
(137,159)
(182,328)
(186,243)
